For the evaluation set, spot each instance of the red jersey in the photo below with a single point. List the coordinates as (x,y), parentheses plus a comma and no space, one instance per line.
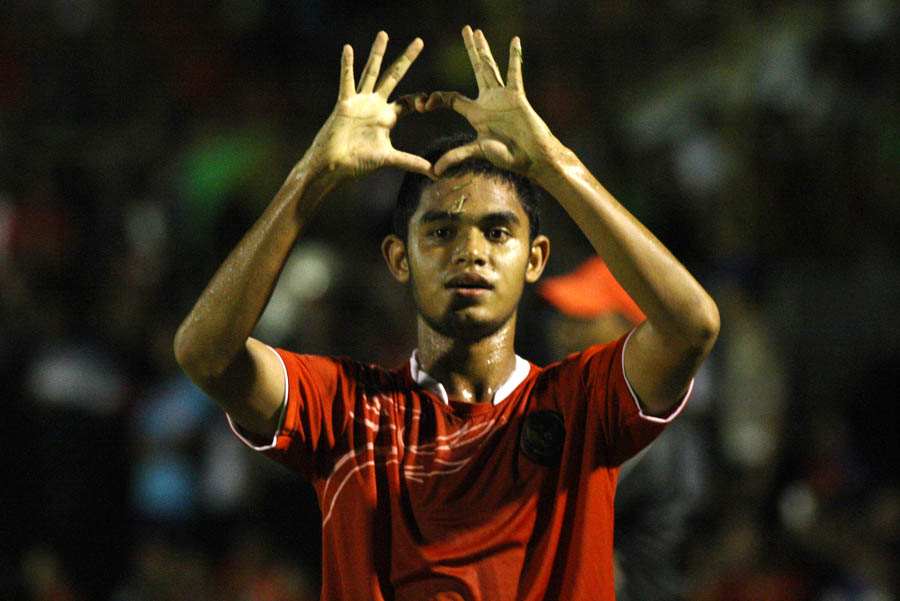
(431,499)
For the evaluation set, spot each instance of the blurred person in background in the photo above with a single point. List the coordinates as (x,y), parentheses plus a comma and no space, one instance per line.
(659,488)
(468,472)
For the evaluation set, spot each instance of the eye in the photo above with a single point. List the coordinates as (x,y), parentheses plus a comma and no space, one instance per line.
(442,233)
(498,234)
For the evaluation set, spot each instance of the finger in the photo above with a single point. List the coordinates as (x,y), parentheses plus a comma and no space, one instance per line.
(450,100)
(457,155)
(347,86)
(409,103)
(488,64)
(410,162)
(398,69)
(514,71)
(474,59)
(370,72)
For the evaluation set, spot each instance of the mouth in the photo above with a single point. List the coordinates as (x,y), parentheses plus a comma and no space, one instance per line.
(469,284)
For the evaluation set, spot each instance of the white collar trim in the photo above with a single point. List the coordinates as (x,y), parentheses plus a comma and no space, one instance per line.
(520,372)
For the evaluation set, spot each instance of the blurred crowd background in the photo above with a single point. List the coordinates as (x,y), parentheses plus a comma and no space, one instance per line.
(138,141)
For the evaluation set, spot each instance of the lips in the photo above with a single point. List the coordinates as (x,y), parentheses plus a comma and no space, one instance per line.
(468,281)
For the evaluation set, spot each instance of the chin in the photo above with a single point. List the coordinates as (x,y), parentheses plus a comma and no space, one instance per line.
(462,325)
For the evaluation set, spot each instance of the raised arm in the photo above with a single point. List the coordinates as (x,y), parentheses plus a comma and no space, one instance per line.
(682,320)
(213,344)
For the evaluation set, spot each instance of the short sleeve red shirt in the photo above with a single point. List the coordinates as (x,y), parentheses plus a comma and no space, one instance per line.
(424,499)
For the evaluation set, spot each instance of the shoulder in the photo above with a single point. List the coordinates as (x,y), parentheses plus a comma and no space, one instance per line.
(345,370)
(596,367)
(597,358)
(574,378)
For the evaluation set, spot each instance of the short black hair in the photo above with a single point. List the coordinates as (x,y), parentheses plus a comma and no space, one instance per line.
(413,184)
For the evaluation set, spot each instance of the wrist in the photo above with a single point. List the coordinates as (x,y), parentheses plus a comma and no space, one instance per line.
(315,174)
(555,160)
(303,189)
(319,165)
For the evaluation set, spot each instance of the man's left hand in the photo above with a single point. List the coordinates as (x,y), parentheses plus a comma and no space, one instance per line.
(511,135)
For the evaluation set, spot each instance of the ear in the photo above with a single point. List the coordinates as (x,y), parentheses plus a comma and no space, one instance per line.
(394,252)
(537,259)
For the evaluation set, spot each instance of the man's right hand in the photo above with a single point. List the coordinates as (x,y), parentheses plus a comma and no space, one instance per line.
(355,140)
(213,344)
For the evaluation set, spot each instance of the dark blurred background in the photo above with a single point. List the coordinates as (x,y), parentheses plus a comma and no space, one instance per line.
(139,140)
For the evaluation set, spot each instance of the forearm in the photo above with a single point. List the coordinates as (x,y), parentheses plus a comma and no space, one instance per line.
(218,326)
(674,302)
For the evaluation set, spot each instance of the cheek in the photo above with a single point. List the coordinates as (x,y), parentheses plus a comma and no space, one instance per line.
(424,277)
(422,265)
(515,261)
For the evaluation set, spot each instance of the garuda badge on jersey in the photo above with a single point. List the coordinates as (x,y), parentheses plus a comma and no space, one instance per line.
(542,437)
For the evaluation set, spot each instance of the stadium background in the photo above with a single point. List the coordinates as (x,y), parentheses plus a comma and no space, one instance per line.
(139,140)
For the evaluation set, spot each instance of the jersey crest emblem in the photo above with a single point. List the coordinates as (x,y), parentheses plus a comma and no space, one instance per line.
(542,437)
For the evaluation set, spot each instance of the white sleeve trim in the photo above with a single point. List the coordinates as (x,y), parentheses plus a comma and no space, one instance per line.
(652,418)
(240,432)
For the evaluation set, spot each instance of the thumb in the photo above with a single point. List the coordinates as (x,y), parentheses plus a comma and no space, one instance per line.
(457,155)
(411,162)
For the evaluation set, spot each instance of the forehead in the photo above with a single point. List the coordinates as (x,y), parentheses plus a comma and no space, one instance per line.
(470,194)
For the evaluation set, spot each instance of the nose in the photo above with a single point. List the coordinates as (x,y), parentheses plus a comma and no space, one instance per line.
(470,247)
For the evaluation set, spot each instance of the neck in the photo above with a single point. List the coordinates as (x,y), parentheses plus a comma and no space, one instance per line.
(470,370)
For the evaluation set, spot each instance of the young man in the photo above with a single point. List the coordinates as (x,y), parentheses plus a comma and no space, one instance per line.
(467,473)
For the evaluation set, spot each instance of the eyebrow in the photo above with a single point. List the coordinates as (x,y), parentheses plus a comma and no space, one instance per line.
(495,217)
